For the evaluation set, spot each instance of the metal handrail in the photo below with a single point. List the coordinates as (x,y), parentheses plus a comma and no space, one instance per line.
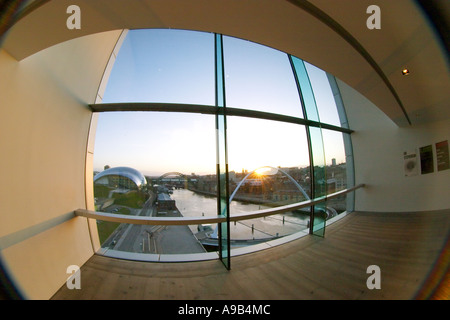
(122,218)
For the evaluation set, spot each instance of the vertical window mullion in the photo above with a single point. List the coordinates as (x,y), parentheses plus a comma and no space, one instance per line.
(222,159)
(315,145)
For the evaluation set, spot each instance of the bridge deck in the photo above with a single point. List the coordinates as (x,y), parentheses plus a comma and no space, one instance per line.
(404,245)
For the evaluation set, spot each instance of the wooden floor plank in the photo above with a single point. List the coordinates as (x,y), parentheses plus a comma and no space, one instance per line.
(405,246)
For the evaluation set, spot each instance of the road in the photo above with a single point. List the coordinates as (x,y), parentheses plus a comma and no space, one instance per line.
(154,239)
(131,236)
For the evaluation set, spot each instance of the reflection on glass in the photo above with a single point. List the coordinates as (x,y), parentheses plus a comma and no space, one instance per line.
(222,183)
(324,99)
(221,158)
(259,78)
(319,188)
(307,93)
(220,86)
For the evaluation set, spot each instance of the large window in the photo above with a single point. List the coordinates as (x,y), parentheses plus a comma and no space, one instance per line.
(268,167)
(217,126)
(164,66)
(259,78)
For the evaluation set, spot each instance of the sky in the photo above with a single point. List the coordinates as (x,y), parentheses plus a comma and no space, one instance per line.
(178,67)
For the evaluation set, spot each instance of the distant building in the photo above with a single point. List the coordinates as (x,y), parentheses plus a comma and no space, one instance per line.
(121,177)
(165,202)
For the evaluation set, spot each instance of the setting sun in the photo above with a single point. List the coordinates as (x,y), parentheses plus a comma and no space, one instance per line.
(263,171)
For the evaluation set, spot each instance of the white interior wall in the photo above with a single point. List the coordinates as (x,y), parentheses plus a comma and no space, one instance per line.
(44,123)
(379,146)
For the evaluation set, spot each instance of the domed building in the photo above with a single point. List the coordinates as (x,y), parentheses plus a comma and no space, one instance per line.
(121,177)
(120,186)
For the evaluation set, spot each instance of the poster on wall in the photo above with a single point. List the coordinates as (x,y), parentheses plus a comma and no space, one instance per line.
(426,159)
(410,164)
(442,155)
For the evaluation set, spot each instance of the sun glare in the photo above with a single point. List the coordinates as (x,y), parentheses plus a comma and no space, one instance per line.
(263,171)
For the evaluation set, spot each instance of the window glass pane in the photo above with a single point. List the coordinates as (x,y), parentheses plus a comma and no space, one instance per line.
(223,201)
(259,78)
(222,229)
(318,160)
(336,169)
(175,153)
(171,66)
(323,95)
(269,167)
(306,89)
(156,142)
(220,89)
(165,164)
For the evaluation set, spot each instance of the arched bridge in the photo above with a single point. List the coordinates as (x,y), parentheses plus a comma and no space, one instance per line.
(330,212)
(176,179)
(173,173)
(268,167)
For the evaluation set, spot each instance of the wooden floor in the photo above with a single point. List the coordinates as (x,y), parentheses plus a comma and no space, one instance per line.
(408,248)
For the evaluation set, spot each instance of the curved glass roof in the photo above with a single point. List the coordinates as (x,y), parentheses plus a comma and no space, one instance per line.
(134,175)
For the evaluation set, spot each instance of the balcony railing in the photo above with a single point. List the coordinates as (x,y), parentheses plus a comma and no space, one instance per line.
(171,221)
(167,221)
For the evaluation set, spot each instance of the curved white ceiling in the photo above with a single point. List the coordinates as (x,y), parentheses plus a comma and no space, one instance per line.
(329,34)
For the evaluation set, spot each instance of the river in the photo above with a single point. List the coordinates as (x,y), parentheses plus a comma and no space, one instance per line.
(192,204)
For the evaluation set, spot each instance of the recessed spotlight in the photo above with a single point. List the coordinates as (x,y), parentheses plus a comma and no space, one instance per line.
(405,71)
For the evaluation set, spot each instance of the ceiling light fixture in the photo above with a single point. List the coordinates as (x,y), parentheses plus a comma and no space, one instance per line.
(405,71)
